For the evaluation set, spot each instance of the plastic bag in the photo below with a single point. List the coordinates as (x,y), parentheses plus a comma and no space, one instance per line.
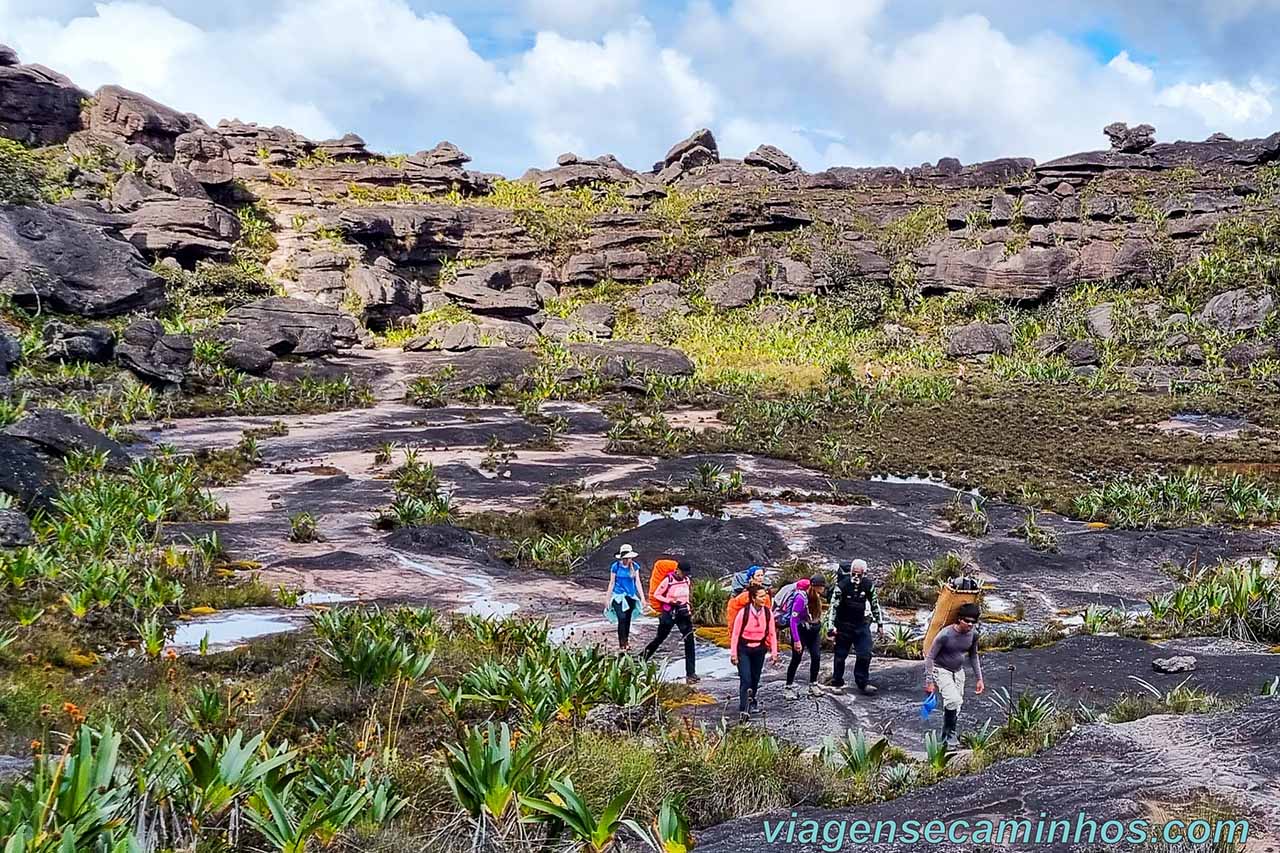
(930,702)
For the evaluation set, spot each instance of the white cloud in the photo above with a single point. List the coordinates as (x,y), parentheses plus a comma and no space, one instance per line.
(1220,103)
(608,94)
(893,83)
(579,17)
(1135,72)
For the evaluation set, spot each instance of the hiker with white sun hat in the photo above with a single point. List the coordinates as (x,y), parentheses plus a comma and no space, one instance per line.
(624,599)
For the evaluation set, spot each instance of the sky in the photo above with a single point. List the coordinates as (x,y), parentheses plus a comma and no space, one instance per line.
(831,82)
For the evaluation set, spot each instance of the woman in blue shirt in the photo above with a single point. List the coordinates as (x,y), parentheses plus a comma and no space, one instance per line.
(624,593)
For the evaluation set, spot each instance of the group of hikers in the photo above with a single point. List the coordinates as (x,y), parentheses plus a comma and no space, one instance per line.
(806,612)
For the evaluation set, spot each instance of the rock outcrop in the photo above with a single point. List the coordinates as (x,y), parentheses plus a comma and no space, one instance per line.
(288,326)
(189,228)
(506,288)
(135,118)
(61,435)
(977,339)
(25,474)
(154,356)
(37,106)
(54,258)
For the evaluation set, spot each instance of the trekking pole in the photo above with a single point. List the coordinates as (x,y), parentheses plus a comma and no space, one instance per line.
(1008,712)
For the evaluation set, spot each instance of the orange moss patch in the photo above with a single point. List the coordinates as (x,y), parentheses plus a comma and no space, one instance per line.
(693,700)
(718,635)
(1001,617)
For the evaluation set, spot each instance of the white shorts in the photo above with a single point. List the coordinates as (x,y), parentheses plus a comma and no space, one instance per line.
(951,686)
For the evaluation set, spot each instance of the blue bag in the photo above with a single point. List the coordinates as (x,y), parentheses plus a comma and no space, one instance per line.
(930,702)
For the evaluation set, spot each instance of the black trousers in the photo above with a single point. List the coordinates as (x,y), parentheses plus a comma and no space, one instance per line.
(811,642)
(856,638)
(675,619)
(624,615)
(750,666)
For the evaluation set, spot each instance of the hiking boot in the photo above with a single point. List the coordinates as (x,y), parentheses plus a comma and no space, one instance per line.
(868,689)
(753,706)
(789,693)
(744,718)
(816,690)
(692,680)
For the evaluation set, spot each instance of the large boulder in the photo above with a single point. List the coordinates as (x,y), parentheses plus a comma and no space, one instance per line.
(152,355)
(248,357)
(659,299)
(792,278)
(595,319)
(513,333)
(738,286)
(1238,310)
(173,179)
(485,367)
(26,474)
(505,288)
(63,342)
(135,118)
(444,154)
(291,326)
(185,227)
(624,359)
(697,149)
(1130,140)
(206,155)
(461,337)
(977,339)
(321,274)
(131,191)
(53,259)
(15,529)
(60,434)
(37,106)
(385,295)
(769,157)
(1245,354)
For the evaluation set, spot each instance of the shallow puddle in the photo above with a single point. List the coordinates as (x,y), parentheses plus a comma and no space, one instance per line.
(679,513)
(1205,426)
(233,628)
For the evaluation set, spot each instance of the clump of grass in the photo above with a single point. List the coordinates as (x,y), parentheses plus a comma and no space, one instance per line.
(708,601)
(303,527)
(1040,538)
(28,175)
(1169,500)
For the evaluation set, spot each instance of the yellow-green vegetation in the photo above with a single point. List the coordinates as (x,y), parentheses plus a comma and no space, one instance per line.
(31,175)
(571,299)
(900,239)
(554,219)
(426,321)
(201,296)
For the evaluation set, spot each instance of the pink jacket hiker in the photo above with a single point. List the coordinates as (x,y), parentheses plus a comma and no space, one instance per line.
(672,591)
(755,625)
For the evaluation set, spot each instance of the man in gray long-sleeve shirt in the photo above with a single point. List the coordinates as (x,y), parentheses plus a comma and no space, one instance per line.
(944,666)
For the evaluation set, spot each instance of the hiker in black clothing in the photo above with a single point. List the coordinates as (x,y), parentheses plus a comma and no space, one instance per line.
(849,599)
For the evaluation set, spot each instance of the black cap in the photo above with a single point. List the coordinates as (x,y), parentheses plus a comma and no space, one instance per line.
(968,610)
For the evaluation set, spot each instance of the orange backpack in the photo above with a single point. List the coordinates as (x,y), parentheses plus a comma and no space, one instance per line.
(661,568)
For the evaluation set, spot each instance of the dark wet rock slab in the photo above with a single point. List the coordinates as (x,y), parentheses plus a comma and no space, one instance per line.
(331,495)
(1113,566)
(1093,670)
(713,547)
(443,540)
(1108,772)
